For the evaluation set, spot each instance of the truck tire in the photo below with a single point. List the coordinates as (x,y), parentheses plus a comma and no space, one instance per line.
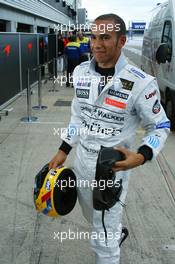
(170,109)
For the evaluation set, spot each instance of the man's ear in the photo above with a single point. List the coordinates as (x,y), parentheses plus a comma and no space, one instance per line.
(121,41)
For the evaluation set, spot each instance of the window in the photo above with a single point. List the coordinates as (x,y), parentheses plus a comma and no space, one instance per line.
(24,28)
(167,37)
(2,26)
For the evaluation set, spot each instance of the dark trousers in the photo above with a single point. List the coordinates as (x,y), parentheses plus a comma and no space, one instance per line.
(71,64)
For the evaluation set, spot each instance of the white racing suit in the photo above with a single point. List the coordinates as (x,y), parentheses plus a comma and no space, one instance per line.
(111,119)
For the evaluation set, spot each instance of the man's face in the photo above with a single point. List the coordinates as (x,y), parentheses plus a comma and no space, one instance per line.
(105,45)
(80,36)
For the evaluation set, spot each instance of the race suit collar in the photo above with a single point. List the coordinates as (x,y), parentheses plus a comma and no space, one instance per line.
(121,63)
(118,67)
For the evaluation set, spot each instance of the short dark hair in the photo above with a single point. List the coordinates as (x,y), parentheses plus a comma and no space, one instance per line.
(117,20)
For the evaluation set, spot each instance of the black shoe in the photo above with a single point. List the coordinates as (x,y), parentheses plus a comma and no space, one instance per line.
(67,84)
(124,235)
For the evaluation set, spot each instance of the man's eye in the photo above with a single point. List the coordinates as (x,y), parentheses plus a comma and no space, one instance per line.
(105,37)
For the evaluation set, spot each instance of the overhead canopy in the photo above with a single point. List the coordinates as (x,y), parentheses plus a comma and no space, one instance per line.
(39,8)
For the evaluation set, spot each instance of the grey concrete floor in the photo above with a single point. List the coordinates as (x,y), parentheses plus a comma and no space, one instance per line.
(28,238)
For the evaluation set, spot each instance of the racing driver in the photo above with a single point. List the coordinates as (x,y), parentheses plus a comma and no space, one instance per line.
(112,98)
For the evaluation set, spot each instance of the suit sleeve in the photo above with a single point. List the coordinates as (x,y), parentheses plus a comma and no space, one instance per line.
(153,118)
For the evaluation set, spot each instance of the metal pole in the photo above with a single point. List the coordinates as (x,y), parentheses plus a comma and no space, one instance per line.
(38,48)
(39,106)
(39,87)
(54,75)
(28,95)
(20,62)
(29,118)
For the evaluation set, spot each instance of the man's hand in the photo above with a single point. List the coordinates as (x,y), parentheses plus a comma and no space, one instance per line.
(132,160)
(57,160)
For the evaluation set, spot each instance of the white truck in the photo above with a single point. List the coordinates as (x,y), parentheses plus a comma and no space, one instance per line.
(158,54)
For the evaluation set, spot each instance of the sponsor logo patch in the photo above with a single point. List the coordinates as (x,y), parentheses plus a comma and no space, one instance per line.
(115,103)
(89,150)
(53,172)
(153,141)
(163,125)
(98,113)
(84,83)
(148,96)
(47,185)
(138,73)
(118,94)
(96,128)
(156,107)
(109,116)
(82,93)
(127,85)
